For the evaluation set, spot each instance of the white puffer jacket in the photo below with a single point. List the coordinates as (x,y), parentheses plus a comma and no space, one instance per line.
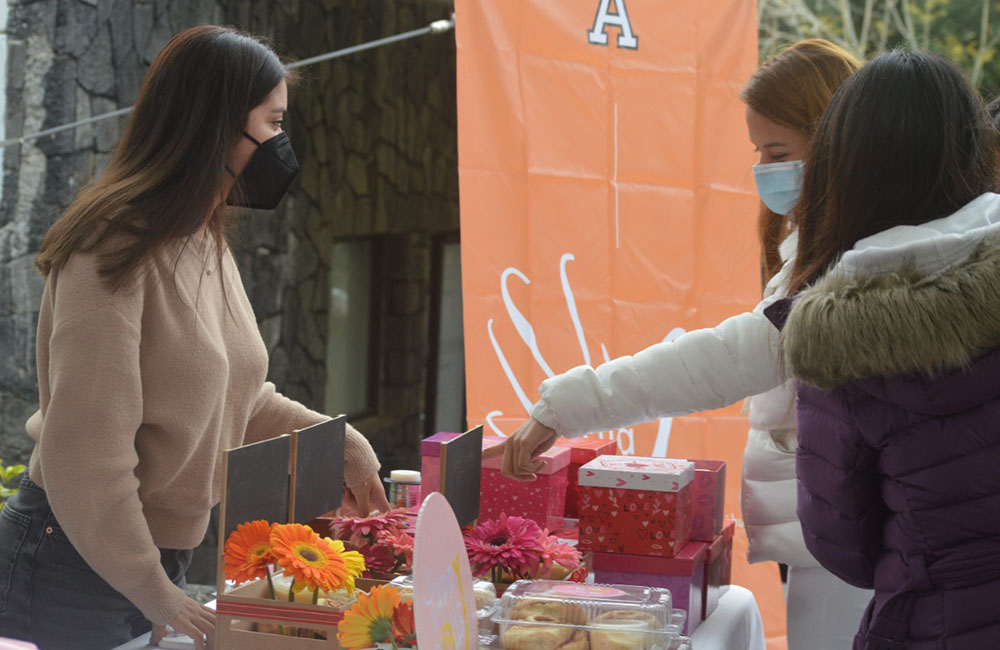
(702,370)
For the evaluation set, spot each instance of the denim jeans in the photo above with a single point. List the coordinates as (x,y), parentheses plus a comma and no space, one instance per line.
(49,595)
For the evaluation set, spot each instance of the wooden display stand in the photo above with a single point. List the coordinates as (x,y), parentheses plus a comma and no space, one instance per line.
(294,479)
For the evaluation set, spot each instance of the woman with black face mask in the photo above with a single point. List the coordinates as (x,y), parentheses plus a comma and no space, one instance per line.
(150,362)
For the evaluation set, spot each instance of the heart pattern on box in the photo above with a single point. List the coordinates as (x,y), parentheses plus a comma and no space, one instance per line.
(542,500)
(634,521)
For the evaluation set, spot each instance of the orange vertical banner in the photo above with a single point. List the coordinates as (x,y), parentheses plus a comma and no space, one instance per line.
(607,204)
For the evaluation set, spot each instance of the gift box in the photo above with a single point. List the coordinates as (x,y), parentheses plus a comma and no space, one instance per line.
(542,500)
(708,496)
(581,452)
(718,568)
(635,505)
(683,575)
(430,462)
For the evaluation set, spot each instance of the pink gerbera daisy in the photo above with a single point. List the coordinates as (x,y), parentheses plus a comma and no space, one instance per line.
(554,551)
(365,529)
(400,542)
(509,543)
(377,558)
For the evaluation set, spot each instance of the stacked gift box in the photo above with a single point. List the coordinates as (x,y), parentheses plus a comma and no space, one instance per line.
(548,500)
(582,451)
(658,522)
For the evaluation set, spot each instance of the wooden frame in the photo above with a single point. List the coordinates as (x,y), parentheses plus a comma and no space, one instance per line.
(262,481)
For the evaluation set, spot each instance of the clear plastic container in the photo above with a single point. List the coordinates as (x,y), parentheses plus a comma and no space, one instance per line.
(485,592)
(556,615)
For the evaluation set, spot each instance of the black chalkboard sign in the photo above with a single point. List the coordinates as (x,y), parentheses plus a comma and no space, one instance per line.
(318,472)
(461,467)
(255,484)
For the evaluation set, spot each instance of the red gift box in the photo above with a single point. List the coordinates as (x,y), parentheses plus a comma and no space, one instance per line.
(542,500)
(708,495)
(582,451)
(635,505)
(683,575)
(718,567)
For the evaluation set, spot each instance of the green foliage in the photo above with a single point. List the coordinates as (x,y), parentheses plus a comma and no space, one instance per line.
(966,31)
(8,477)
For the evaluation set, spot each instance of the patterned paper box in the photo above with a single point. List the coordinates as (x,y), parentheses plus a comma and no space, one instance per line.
(708,494)
(718,567)
(542,500)
(683,575)
(582,451)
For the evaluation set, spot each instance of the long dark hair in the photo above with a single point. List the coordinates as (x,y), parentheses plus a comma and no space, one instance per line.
(165,177)
(906,140)
(793,88)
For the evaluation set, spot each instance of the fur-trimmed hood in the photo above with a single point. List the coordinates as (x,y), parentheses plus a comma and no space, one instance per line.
(926,306)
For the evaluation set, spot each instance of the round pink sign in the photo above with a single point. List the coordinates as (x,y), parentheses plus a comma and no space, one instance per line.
(444,605)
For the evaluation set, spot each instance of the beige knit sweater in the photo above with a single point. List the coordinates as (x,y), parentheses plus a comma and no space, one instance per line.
(140,391)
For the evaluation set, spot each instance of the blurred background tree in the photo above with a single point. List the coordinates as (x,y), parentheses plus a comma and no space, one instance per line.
(966,31)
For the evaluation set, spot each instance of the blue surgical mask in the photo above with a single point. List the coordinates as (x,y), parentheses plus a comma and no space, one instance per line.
(779,184)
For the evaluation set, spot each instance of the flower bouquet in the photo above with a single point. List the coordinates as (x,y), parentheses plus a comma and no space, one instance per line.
(310,580)
(383,540)
(380,619)
(514,548)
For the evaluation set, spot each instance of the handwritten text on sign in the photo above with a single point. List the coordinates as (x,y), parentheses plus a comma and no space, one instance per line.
(443,602)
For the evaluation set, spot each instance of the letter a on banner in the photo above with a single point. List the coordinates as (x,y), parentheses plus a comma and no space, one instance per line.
(598,36)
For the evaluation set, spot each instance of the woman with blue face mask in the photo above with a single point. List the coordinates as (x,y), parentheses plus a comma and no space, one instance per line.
(711,368)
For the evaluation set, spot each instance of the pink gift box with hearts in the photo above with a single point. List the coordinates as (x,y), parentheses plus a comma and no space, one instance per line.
(708,493)
(635,505)
(430,462)
(542,500)
(718,568)
(582,451)
(683,575)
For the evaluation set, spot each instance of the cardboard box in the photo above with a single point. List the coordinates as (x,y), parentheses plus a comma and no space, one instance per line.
(683,575)
(582,451)
(542,500)
(718,567)
(635,505)
(708,499)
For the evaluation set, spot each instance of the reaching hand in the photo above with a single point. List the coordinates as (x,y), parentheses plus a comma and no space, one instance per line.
(194,620)
(368,497)
(521,450)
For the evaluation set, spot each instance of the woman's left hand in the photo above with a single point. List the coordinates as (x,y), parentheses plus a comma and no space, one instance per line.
(368,497)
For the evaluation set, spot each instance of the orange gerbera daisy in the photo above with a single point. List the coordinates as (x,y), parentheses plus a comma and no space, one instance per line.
(308,558)
(248,552)
(404,626)
(369,620)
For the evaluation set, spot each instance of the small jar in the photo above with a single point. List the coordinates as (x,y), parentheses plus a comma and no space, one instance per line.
(404,488)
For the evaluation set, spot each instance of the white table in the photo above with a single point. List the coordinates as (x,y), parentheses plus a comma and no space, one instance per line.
(734,625)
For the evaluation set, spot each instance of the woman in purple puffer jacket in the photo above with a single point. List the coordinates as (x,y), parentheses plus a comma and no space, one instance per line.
(894,336)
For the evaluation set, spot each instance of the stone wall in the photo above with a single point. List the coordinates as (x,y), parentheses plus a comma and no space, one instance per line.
(66,60)
(375,133)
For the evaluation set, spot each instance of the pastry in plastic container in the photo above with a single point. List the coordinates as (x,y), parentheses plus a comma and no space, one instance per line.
(485,592)
(555,615)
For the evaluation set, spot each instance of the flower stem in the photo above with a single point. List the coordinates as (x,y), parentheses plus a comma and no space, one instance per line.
(316,596)
(291,599)
(270,586)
